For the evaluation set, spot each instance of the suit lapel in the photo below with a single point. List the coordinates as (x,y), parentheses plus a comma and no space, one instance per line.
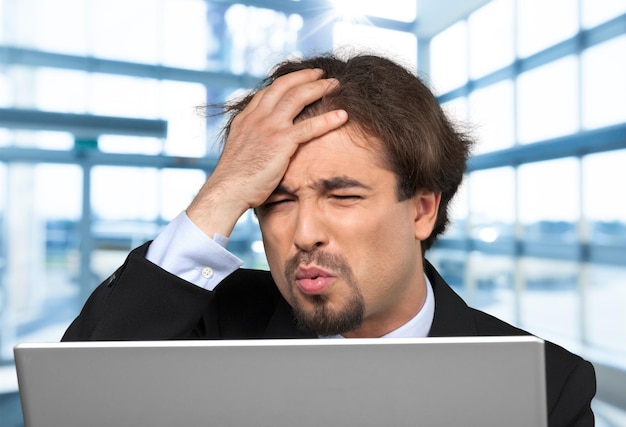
(453,318)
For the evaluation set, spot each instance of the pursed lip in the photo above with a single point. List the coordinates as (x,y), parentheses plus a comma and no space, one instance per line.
(311,272)
(313,280)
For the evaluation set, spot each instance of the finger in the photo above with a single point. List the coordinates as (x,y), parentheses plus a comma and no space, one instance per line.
(253,102)
(287,108)
(273,93)
(314,127)
(294,101)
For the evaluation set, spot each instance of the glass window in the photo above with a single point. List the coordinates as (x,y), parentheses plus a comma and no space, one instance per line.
(120,193)
(20,81)
(492,204)
(49,140)
(605,303)
(367,38)
(3,185)
(456,110)
(123,96)
(259,38)
(492,115)
(604,84)
(549,200)
(448,58)
(6,137)
(184,39)
(398,10)
(125,206)
(57,203)
(491,38)
(542,24)
(550,304)
(40,264)
(61,26)
(178,188)
(186,129)
(595,12)
(129,144)
(64,91)
(38,24)
(490,285)
(6,96)
(125,30)
(603,178)
(547,101)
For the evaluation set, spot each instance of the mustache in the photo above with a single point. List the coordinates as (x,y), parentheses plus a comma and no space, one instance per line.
(335,262)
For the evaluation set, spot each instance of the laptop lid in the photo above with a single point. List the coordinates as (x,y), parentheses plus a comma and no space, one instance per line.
(486,381)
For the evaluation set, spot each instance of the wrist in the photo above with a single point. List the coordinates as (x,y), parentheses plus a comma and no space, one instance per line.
(213,212)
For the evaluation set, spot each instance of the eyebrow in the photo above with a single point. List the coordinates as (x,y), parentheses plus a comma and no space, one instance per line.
(325,185)
(340,182)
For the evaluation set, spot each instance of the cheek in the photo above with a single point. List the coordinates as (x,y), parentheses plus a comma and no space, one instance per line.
(382,251)
(275,233)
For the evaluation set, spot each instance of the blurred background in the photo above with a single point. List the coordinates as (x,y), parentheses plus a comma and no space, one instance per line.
(101,145)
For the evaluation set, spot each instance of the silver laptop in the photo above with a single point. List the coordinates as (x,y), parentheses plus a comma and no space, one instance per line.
(478,381)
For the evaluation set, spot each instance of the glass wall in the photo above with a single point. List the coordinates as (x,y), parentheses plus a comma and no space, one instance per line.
(543,85)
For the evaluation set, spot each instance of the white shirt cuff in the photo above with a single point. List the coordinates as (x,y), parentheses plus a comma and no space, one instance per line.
(185,251)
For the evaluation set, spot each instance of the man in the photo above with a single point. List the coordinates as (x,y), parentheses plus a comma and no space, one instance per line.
(350,166)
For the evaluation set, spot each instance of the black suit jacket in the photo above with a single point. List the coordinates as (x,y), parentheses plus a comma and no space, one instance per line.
(141,301)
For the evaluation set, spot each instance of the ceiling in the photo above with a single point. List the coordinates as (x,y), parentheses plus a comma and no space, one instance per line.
(435,15)
(432,15)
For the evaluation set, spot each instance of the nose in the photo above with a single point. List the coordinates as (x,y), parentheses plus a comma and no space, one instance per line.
(311,232)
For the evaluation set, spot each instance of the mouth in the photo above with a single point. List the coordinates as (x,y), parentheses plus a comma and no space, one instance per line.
(313,280)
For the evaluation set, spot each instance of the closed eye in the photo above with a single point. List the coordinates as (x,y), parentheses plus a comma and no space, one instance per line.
(274,203)
(346,196)
(277,202)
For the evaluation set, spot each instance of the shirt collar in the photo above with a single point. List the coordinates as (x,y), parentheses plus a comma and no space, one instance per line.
(419,325)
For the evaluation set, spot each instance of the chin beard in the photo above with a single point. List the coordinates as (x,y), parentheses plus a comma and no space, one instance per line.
(316,312)
(324,321)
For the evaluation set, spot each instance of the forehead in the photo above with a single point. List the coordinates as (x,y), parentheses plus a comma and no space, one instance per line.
(345,152)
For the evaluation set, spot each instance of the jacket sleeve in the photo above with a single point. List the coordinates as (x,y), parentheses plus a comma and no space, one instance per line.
(572,404)
(141,301)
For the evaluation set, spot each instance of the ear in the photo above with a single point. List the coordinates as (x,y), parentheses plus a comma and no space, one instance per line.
(426,208)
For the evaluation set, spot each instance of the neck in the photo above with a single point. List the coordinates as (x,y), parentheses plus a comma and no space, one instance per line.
(380,324)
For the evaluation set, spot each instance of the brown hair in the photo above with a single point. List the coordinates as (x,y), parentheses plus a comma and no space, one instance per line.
(392,104)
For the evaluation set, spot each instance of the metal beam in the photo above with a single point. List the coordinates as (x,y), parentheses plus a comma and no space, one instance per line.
(582,143)
(36,58)
(81,125)
(567,251)
(95,157)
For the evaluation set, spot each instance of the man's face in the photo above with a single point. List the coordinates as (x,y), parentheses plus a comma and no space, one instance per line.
(343,251)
